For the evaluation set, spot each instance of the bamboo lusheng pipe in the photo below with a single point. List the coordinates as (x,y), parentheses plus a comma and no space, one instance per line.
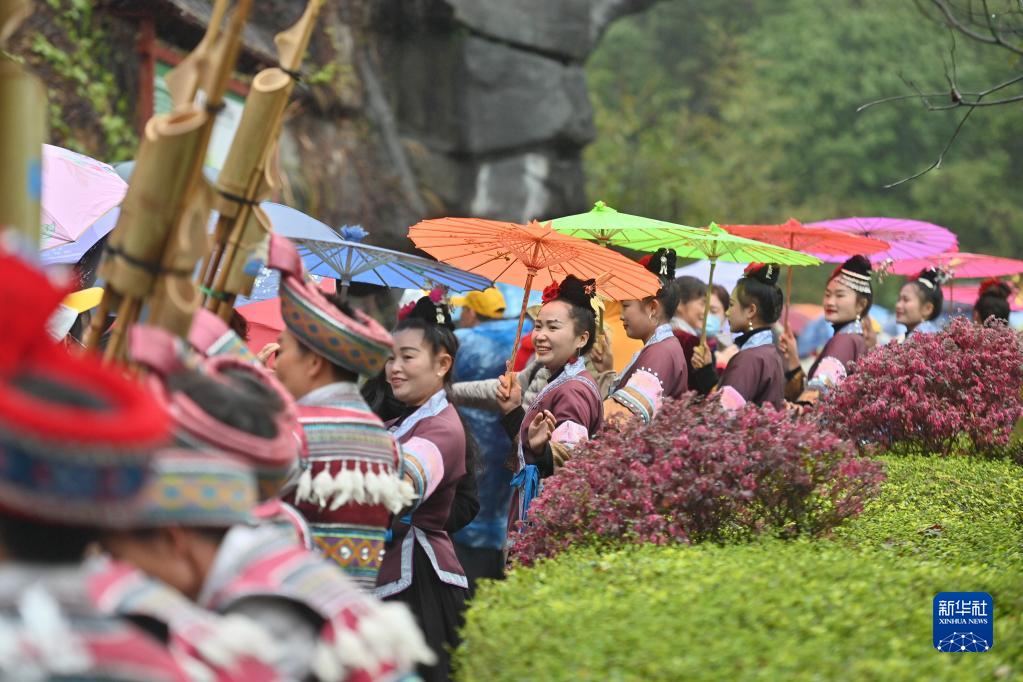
(155,232)
(244,180)
(244,176)
(22,133)
(171,143)
(176,297)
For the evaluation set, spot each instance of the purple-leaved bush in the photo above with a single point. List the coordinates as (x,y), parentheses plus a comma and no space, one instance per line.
(696,473)
(953,392)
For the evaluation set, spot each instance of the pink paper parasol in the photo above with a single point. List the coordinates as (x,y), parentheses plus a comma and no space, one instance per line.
(76,192)
(967,294)
(961,265)
(906,238)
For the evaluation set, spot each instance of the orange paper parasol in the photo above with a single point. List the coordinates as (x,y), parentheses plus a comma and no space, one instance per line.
(528,256)
(816,240)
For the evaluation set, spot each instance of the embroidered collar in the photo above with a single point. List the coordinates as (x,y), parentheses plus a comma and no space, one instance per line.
(851,327)
(754,339)
(925,327)
(662,332)
(330,395)
(431,408)
(570,371)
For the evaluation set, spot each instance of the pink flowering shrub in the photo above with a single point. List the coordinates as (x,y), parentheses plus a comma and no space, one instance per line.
(956,391)
(696,473)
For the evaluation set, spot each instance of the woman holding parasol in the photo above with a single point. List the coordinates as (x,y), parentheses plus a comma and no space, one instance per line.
(755,372)
(659,369)
(568,409)
(848,296)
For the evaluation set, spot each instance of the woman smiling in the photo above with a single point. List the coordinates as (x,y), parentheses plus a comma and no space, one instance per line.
(568,409)
(847,300)
(420,567)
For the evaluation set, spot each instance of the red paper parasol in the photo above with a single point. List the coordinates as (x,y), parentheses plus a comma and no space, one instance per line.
(819,241)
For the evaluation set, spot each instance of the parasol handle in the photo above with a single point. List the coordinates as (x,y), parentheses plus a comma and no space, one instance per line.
(706,307)
(788,298)
(518,332)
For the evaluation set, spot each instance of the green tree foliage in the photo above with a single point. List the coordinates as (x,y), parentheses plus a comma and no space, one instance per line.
(746,111)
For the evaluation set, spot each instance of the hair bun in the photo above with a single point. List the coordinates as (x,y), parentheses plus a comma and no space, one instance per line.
(855,274)
(858,264)
(768,273)
(577,292)
(430,311)
(932,277)
(995,288)
(662,263)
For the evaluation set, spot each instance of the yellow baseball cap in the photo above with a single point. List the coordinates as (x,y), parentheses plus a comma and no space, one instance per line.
(489,302)
(83,300)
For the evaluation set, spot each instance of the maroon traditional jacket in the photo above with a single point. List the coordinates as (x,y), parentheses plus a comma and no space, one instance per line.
(572,396)
(756,371)
(844,346)
(661,359)
(433,445)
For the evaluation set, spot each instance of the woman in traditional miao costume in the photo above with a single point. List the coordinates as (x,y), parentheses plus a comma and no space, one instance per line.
(920,302)
(568,409)
(420,567)
(755,373)
(658,370)
(993,301)
(847,300)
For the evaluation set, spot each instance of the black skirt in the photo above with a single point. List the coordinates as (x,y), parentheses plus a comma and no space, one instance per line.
(439,609)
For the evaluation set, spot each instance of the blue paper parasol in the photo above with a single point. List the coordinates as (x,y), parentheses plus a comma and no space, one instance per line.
(342,257)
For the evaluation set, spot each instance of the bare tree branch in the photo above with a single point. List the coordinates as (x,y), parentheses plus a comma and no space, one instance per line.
(971,101)
(963,102)
(993,37)
(941,156)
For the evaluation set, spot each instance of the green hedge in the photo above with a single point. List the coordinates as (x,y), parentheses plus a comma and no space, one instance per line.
(802,610)
(856,607)
(954,509)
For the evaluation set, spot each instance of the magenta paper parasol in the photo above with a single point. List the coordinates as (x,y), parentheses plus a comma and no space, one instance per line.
(906,238)
(76,192)
(961,265)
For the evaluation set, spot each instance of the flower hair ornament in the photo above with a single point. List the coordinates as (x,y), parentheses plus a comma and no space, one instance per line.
(550,292)
(932,277)
(994,287)
(430,308)
(764,272)
(572,290)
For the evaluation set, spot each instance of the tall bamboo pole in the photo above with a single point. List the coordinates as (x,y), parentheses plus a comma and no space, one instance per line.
(154,237)
(22,133)
(244,181)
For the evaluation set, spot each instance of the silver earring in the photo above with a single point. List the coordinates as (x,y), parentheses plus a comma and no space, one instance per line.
(751,324)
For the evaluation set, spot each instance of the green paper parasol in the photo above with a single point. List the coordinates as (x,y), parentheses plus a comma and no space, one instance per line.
(609,227)
(716,244)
